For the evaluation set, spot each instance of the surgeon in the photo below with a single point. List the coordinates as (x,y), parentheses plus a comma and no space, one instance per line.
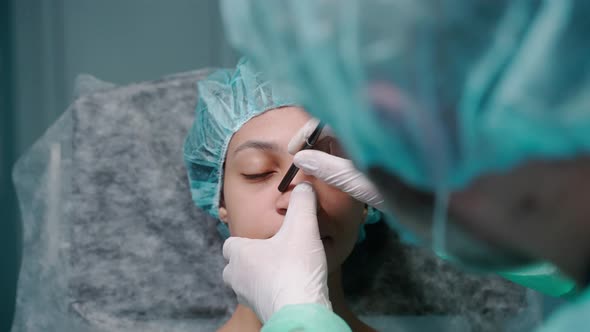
(470,118)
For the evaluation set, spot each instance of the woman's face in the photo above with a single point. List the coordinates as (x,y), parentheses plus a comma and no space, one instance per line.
(256,161)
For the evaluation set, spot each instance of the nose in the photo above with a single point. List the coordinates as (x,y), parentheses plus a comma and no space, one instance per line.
(282,202)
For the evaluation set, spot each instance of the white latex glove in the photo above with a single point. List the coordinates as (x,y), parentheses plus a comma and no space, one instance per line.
(289,268)
(335,171)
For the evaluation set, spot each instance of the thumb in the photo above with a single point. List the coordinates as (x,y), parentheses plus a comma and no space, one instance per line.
(301,219)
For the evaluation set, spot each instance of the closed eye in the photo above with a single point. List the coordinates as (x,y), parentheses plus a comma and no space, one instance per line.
(258,176)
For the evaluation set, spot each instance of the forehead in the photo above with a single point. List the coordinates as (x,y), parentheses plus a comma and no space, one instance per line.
(277,125)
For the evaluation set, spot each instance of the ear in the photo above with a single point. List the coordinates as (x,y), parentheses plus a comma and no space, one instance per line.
(222,210)
(223,214)
(365,214)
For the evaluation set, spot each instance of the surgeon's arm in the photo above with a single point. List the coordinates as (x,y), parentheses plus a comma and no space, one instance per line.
(305,318)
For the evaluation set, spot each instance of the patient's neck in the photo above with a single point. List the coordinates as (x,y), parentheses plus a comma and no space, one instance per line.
(244,319)
(339,305)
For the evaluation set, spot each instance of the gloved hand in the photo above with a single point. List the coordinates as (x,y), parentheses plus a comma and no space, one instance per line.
(335,171)
(289,268)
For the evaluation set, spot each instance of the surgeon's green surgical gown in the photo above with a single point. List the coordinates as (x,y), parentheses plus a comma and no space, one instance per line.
(315,318)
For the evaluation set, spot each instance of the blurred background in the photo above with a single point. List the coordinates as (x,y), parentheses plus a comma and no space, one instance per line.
(45,44)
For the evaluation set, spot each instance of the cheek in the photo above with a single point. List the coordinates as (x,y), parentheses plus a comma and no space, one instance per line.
(342,217)
(251,216)
(343,211)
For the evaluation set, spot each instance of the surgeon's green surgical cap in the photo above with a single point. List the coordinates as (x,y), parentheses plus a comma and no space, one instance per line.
(437,92)
(227,100)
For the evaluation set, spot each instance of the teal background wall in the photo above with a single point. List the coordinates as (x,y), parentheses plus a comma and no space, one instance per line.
(45,44)
(9,227)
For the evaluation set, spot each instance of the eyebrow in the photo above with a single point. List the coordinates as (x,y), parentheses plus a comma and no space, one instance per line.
(258,145)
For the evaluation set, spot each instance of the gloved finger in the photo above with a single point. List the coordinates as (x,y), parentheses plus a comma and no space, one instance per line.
(232,245)
(228,275)
(340,173)
(233,248)
(301,219)
(298,140)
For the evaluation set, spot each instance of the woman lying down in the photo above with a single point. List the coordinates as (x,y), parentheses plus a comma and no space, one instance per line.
(236,155)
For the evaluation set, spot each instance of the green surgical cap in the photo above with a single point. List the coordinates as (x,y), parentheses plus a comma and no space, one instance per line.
(436,92)
(227,100)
